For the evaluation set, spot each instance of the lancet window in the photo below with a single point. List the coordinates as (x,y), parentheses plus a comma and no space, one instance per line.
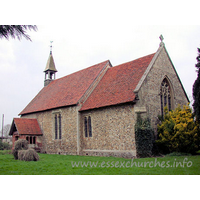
(57,126)
(88,126)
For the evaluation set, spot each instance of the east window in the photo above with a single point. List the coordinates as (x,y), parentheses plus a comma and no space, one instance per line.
(165,96)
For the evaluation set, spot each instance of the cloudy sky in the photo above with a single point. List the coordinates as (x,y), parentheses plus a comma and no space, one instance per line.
(85,33)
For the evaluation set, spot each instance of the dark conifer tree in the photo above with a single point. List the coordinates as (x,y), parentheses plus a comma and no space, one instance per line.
(196,90)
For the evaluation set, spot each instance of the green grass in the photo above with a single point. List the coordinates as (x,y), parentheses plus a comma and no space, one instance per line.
(61,164)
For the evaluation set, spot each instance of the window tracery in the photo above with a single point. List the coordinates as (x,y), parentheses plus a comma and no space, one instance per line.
(165,96)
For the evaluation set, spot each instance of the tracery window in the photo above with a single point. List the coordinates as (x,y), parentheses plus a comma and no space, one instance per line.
(165,96)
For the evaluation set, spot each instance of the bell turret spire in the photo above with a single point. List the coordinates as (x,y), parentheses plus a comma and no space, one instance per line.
(50,70)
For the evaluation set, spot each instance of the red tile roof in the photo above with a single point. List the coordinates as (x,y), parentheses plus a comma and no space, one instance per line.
(118,84)
(27,126)
(64,91)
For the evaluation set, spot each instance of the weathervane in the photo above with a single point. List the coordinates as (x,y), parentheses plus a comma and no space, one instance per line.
(51,47)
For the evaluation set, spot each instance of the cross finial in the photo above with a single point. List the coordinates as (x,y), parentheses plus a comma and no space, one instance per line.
(51,47)
(161,39)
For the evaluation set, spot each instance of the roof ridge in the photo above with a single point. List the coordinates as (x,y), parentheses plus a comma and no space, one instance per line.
(134,60)
(96,81)
(81,70)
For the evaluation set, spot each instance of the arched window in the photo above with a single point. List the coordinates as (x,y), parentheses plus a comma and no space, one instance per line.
(165,96)
(60,130)
(85,125)
(90,126)
(57,125)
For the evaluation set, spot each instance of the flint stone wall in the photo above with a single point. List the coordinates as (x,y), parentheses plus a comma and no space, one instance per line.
(149,93)
(113,132)
(46,119)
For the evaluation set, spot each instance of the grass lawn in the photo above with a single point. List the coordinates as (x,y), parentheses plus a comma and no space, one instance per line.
(65,164)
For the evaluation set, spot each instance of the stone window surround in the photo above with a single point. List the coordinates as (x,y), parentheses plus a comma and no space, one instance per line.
(170,94)
(87,126)
(58,115)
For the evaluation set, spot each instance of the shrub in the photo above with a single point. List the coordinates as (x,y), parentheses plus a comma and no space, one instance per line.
(1,145)
(28,155)
(178,132)
(20,154)
(15,154)
(4,146)
(19,145)
(144,137)
(7,146)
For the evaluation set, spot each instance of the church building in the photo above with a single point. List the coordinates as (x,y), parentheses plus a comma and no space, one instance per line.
(94,111)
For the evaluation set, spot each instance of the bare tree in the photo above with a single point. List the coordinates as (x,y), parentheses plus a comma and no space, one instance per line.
(6,130)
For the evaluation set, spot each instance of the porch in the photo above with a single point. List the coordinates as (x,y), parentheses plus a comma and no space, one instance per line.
(27,129)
